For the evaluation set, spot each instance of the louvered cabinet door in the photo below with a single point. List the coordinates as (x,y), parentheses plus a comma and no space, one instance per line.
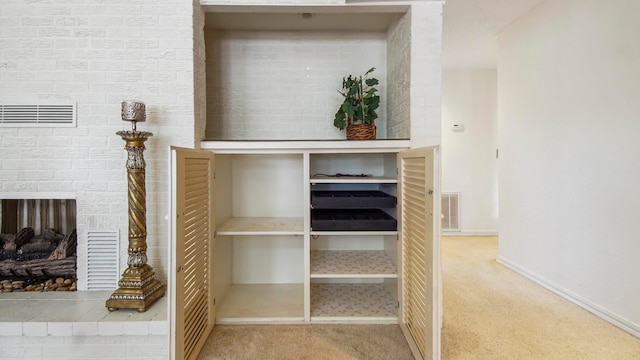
(192,306)
(419,232)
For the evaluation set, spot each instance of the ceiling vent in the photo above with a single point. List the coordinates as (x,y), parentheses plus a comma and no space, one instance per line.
(60,115)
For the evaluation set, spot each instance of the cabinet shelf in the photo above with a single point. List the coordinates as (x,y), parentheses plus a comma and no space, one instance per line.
(352,263)
(353,180)
(262,303)
(344,273)
(262,226)
(365,302)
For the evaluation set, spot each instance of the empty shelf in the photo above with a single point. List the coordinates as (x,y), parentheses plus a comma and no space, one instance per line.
(246,303)
(262,226)
(360,263)
(362,301)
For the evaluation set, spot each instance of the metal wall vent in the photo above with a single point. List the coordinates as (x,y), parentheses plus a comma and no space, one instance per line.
(450,211)
(103,259)
(62,115)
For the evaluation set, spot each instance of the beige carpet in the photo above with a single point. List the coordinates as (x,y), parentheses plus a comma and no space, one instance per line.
(330,342)
(490,313)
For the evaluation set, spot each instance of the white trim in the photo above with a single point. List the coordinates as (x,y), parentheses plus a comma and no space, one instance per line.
(171,265)
(37,195)
(261,321)
(351,276)
(599,311)
(470,233)
(357,7)
(303,146)
(352,320)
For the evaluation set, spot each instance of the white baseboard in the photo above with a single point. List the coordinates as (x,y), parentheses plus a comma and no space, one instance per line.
(469,233)
(599,311)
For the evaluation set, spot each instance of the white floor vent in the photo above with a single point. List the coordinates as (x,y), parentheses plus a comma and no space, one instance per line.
(103,259)
(451,211)
(61,115)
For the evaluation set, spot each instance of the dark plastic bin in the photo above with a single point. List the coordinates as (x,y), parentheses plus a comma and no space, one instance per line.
(351,220)
(351,200)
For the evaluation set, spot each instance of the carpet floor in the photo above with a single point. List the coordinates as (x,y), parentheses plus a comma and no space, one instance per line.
(322,342)
(490,313)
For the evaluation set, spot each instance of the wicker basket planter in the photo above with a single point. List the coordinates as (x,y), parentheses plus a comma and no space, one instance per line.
(361,132)
(357,112)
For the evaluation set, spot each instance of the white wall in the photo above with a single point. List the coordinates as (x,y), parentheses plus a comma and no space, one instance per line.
(568,89)
(469,164)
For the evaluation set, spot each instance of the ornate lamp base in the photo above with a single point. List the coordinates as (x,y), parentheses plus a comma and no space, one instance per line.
(138,289)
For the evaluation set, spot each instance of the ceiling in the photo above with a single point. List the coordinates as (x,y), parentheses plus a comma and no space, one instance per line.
(307,18)
(470,29)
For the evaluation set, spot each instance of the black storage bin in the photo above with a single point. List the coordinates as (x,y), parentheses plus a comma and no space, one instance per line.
(351,200)
(351,220)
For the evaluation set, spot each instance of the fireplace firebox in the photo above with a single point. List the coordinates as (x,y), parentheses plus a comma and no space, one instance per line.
(38,243)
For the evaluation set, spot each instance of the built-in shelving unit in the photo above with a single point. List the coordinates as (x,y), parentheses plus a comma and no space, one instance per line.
(275,72)
(271,265)
(353,259)
(271,78)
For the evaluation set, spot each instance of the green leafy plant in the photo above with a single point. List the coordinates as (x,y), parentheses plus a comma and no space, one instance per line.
(360,101)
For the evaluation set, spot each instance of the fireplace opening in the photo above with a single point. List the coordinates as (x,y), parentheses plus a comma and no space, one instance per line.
(38,243)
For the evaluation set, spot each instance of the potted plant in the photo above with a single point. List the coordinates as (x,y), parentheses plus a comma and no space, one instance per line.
(357,113)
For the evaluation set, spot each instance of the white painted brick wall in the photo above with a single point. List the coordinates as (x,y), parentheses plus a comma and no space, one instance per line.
(83,347)
(200,73)
(426,73)
(284,85)
(97,54)
(399,89)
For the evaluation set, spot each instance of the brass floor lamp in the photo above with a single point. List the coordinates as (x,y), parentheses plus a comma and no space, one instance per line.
(138,288)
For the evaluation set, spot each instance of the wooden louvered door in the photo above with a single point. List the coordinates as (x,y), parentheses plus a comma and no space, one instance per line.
(419,290)
(191,274)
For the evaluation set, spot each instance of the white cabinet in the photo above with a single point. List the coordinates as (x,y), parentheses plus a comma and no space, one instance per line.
(274,263)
